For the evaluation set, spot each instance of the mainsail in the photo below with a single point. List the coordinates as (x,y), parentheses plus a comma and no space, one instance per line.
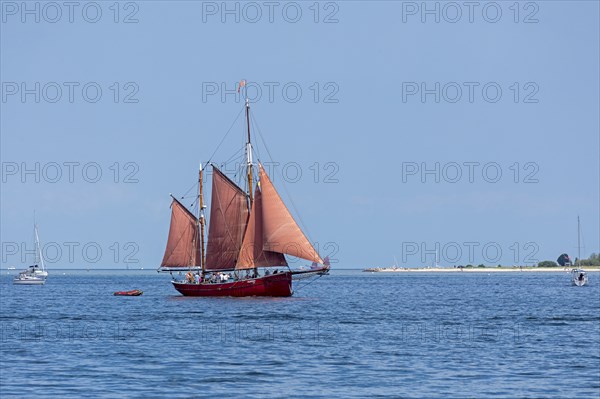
(228,218)
(252,253)
(183,245)
(281,233)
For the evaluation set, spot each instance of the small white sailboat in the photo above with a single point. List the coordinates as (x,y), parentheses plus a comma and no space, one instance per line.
(578,275)
(35,274)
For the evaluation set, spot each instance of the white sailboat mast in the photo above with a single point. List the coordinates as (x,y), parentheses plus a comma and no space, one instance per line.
(578,242)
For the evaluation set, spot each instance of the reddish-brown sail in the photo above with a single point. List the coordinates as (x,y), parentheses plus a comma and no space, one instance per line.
(281,233)
(183,244)
(228,218)
(252,253)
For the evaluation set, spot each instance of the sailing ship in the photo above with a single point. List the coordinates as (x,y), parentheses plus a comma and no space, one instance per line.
(578,275)
(249,235)
(34,274)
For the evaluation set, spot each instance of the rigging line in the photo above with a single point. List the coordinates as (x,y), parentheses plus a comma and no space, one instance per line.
(188,191)
(224,137)
(236,155)
(190,196)
(255,127)
(194,204)
(256,157)
(302,224)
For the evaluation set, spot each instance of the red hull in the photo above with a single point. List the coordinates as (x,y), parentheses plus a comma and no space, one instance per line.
(274,285)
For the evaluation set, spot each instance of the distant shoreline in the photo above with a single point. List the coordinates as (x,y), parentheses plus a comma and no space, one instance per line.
(482,269)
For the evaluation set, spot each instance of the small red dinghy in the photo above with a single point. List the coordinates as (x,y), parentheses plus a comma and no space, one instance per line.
(129,293)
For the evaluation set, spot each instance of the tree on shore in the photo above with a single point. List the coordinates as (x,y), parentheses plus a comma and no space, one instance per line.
(547,263)
(593,260)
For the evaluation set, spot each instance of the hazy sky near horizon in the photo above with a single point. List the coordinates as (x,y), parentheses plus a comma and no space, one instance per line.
(470,131)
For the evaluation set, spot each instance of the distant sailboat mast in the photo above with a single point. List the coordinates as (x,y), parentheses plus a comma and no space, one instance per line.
(578,242)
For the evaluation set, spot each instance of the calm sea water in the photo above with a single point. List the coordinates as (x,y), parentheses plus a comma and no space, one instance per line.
(350,334)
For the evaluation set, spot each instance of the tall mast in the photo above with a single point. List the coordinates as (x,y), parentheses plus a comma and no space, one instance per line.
(578,243)
(201,207)
(35,256)
(249,160)
(249,150)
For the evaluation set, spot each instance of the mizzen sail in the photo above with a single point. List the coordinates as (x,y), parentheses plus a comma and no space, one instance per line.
(281,233)
(183,244)
(228,218)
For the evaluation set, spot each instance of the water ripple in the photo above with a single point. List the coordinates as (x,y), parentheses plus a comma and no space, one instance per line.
(350,335)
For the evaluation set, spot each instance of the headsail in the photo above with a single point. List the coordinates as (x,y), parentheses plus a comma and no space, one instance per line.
(183,245)
(228,218)
(281,233)
(252,253)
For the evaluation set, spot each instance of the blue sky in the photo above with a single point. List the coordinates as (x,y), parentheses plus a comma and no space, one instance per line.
(360,121)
